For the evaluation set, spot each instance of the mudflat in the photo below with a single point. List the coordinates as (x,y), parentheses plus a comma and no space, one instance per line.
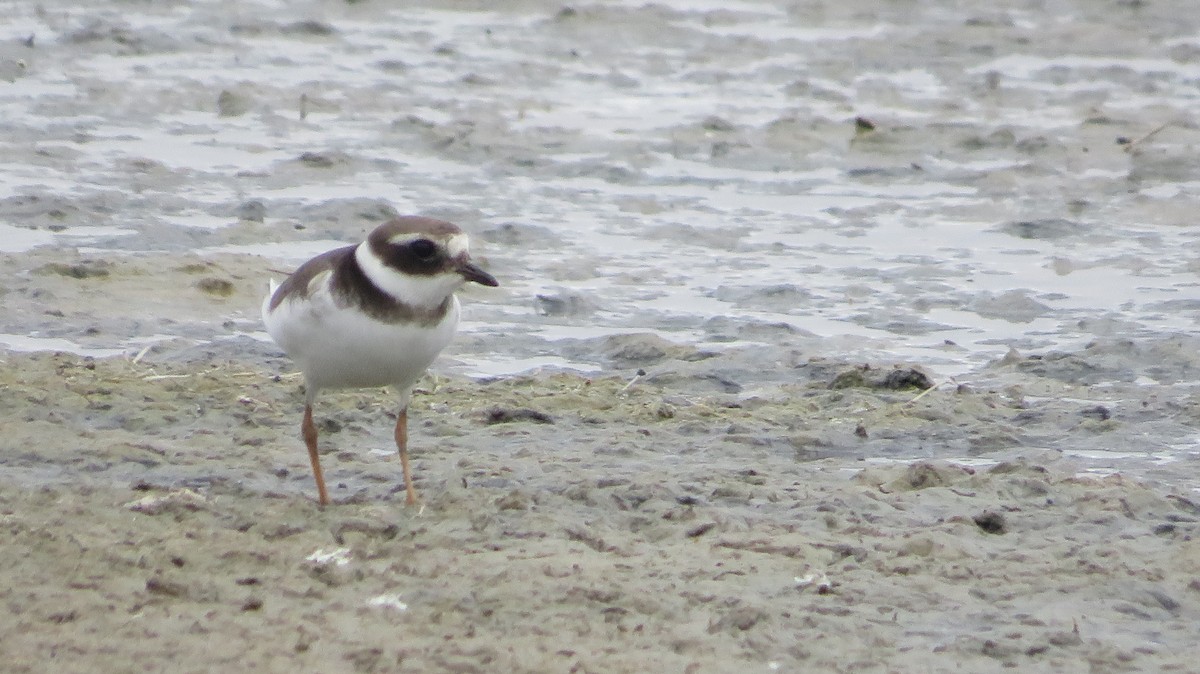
(567,523)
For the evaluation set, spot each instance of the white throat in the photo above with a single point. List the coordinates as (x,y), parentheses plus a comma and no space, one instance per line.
(422,292)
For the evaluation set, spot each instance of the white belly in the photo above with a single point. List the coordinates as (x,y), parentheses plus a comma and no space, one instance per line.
(341,348)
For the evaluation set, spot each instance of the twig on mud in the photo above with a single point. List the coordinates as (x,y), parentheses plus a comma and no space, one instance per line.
(927,391)
(636,376)
(156,377)
(1132,145)
(141,354)
(254,403)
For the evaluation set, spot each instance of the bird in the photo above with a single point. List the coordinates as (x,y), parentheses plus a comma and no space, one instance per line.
(373,314)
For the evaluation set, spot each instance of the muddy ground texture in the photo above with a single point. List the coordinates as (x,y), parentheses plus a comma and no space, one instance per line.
(156,502)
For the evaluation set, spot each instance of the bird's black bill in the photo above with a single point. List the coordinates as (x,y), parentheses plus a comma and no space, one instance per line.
(473,273)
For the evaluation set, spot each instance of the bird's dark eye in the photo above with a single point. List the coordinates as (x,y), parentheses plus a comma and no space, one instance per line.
(423,249)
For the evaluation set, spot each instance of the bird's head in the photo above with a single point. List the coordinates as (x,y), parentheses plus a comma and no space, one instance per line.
(420,261)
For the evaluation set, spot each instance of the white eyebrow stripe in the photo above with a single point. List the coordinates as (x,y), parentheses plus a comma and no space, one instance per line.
(457,245)
(407,237)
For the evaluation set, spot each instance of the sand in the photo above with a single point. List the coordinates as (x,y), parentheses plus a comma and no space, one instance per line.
(567,524)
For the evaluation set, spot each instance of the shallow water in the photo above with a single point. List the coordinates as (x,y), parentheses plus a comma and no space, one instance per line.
(684,169)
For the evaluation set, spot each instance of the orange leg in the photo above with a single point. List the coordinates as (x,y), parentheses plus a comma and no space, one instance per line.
(309,430)
(402,445)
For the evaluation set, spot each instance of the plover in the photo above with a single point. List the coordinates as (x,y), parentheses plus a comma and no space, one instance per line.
(373,314)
